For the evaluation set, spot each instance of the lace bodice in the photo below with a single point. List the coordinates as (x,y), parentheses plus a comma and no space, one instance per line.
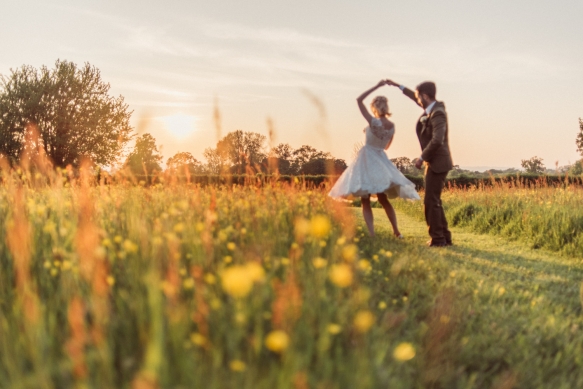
(377,135)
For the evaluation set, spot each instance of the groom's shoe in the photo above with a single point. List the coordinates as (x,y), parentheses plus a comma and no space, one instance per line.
(431,243)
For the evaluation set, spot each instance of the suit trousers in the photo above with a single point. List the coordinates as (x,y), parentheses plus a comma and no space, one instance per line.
(434,215)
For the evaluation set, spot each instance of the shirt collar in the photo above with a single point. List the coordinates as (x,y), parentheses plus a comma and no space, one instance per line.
(429,108)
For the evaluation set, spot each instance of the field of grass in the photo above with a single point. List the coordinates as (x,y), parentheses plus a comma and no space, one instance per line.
(274,287)
(540,216)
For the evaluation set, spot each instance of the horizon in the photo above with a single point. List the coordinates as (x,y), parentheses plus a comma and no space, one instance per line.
(510,90)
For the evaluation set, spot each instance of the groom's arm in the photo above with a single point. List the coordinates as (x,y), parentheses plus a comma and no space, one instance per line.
(406,91)
(438,122)
(409,93)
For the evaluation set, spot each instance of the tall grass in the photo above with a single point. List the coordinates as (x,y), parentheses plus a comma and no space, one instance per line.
(176,286)
(542,215)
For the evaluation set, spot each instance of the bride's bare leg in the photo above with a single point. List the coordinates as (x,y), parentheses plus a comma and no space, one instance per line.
(390,211)
(367,213)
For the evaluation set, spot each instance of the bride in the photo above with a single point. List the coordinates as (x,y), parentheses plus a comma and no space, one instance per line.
(372,172)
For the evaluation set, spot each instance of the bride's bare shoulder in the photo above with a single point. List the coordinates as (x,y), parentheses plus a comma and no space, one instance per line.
(387,124)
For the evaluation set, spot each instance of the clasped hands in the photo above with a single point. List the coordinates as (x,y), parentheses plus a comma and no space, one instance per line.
(387,82)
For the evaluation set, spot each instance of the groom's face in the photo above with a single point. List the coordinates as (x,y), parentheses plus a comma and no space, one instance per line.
(422,99)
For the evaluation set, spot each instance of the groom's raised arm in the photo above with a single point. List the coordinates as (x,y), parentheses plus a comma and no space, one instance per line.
(409,93)
(406,91)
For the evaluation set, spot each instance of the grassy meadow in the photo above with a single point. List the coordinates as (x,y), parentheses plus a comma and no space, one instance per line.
(277,286)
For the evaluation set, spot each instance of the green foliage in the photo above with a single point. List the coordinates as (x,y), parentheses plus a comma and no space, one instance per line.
(145,158)
(534,165)
(405,165)
(579,140)
(540,215)
(72,110)
(184,161)
(242,149)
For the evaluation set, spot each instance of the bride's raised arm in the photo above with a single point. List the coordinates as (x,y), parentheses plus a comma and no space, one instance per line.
(363,96)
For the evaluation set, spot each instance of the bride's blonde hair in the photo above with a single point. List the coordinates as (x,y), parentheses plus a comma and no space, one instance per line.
(380,107)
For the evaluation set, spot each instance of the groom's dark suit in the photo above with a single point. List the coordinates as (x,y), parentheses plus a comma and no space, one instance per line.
(432,131)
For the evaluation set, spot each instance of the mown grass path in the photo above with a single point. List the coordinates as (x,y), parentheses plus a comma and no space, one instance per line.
(519,310)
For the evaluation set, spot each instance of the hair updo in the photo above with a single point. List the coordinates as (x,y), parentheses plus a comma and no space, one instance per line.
(380,107)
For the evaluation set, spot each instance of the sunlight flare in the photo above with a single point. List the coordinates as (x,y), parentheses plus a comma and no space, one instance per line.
(179,125)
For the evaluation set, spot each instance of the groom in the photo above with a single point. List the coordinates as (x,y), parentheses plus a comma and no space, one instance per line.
(432,131)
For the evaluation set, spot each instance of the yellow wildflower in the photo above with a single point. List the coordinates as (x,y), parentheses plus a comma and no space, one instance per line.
(277,341)
(363,321)
(188,283)
(349,252)
(255,271)
(364,265)
(320,226)
(334,328)
(319,263)
(237,365)
(231,246)
(236,281)
(110,280)
(404,352)
(301,227)
(210,279)
(197,339)
(341,275)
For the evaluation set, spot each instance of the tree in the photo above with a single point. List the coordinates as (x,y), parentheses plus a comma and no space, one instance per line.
(242,149)
(281,157)
(72,110)
(579,140)
(145,158)
(215,161)
(181,161)
(306,154)
(533,165)
(404,164)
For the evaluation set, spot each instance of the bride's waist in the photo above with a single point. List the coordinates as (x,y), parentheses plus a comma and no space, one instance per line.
(374,147)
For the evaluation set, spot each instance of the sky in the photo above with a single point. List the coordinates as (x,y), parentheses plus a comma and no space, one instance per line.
(509,72)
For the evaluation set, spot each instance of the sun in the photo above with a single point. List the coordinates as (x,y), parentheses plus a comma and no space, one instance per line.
(179,125)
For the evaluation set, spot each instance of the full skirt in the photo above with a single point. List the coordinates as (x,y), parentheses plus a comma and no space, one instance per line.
(373,172)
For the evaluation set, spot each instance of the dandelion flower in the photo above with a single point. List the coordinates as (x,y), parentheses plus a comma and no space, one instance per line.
(301,227)
(197,339)
(349,252)
(364,265)
(210,279)
(237,365)
(363,321)
(319,263)
(320,226)
(188,283)
(277,341)
(334,328)
(341,275)
(404,352)
(231,246)
(236,281)
(255,271)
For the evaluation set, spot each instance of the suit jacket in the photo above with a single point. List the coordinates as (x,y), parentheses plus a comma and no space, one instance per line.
(433,136)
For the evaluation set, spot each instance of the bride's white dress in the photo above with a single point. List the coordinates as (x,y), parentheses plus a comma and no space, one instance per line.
(372,172)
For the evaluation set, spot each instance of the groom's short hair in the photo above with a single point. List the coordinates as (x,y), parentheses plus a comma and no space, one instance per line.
(428,88)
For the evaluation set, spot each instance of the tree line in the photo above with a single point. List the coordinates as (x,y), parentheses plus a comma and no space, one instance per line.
(73,115)
(239,152)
